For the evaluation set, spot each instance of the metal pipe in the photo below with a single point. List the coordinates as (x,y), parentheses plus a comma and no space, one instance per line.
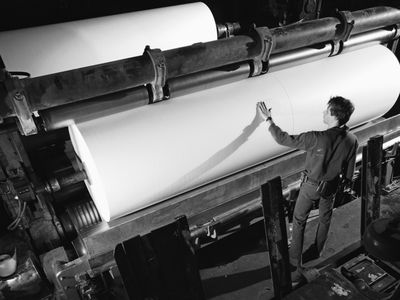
(229,216)
(304,34)
(56,184)
(374,18)
(296,57)
(89,82)
(305,55)
(205,56)
(379,36)
(252,208)
(62,116)
(72,179)
(207,79)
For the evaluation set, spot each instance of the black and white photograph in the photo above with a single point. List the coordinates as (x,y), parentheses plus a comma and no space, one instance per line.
(200,150)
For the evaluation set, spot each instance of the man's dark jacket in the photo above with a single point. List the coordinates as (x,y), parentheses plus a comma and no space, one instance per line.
(320,163)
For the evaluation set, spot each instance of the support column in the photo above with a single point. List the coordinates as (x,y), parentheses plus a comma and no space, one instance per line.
(160,265)
(371,178)
(276,235)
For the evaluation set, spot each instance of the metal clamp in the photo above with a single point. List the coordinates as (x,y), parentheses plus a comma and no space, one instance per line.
(71,278)
(344,30)
(156,87)
(397,35)
(26,123)
(261,62)
(393,44)
(228,29)
(17,101)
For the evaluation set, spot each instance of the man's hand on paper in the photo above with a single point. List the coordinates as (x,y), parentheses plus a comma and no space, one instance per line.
(263,110)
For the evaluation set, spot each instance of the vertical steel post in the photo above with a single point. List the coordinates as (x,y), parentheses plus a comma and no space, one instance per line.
(160,265)
(276,235)
(371,178)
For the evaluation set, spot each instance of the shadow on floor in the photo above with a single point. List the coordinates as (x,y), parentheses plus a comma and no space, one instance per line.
(224,284)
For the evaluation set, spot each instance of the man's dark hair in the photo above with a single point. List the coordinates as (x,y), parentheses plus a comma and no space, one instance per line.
(341,108)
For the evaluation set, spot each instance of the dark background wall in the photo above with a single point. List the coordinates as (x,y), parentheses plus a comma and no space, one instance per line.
(22,13)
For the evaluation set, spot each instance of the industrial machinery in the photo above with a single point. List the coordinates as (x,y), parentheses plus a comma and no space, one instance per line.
(51,229)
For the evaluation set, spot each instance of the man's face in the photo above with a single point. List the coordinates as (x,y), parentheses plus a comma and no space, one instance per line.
(327,115)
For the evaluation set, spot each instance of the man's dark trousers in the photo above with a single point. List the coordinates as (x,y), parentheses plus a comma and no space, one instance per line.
(305,202)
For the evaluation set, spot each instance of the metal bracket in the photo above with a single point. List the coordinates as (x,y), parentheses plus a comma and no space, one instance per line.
(227,30)
(344,30)
(71,279)
(393,44)
(261,62)
(156,87)
(18,102)
(397,27)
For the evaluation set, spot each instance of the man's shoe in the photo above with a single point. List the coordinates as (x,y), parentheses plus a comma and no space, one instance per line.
(310,254)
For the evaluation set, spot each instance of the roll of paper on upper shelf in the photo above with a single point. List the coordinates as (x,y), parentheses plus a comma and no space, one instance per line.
(60,47)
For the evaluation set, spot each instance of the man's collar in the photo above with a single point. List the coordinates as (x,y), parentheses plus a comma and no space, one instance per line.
(341,127)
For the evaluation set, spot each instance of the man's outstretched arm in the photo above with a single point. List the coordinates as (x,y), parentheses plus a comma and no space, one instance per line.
(303,141)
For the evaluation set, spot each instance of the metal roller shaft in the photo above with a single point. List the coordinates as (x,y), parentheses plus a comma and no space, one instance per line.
(56,184)
(59,117)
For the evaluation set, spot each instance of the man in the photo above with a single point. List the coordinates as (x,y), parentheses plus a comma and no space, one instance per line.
(330,153)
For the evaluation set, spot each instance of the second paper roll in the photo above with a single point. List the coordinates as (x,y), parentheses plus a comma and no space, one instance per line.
(55,48)
(143,156)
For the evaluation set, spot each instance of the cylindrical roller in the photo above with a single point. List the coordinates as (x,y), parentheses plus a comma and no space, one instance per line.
(208,79)
(295,57)
(205,56)
(380,36)
(84,215)
(59,117)
(60,47)
(143,156)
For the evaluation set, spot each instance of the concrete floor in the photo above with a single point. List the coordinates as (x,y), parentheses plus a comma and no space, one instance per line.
(248,276)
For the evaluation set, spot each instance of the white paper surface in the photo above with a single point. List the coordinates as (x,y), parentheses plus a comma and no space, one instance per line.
(143,156)
(54,48)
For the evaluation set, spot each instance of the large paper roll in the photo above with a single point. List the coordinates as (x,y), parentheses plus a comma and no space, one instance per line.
(143,156)
(55,48)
